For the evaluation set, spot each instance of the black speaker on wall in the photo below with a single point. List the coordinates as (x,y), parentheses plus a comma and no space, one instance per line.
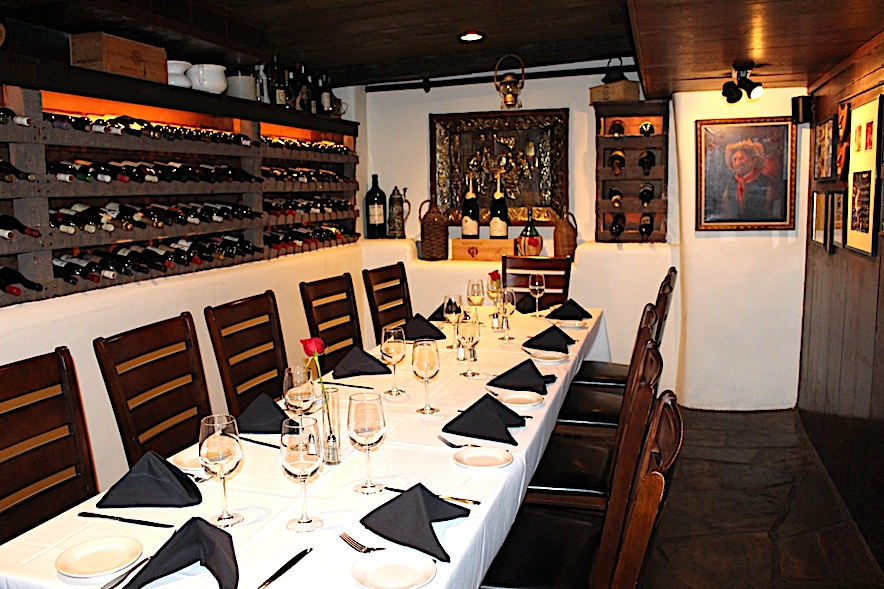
(802,109)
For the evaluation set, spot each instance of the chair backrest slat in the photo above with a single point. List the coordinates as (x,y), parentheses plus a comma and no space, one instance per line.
(664,299)
(330,306)
(388,298)
(515,271)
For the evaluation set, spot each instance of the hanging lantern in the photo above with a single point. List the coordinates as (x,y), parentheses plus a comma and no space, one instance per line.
(510,86)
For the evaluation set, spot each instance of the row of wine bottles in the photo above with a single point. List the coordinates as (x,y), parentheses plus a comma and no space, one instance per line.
(296,88)
(301,205)
(646,161)
(306,234)
(304,145)
(645,195)
(298,174)
(645,225)
(498,224)
(141,171)
(7,115)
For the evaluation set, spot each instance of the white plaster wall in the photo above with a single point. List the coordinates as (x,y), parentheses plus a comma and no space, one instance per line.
(742,292)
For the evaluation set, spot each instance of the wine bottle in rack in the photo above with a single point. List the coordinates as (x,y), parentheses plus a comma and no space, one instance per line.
(119,261)
(94,215)
(11,276)
(646,193)
(8,224)
(6,177)
(132,213)
(616,129)
(646,225)
(57,222)
(9,288)
(154,255)
(15,118)
(108,263)
(616,161)
(57,121)
(145,171)
(88,267)
(69,217)
(498,225)
(7,168)
(68,270)
(469,220)
(82,171)
(376,211)
(616,197)
(618,225)
(647,160)
(135,257)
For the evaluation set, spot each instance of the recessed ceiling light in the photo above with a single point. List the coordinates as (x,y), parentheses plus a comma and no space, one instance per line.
(472,36)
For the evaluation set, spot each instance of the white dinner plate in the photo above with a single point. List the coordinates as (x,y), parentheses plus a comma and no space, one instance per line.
(483,457)
(517,398)
(393,568)
(544,357)
(187,461)
(568,323)
(100,556)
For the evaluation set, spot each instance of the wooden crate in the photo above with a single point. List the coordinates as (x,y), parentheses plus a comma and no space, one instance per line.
(484,250)
(115,55)
(622,90)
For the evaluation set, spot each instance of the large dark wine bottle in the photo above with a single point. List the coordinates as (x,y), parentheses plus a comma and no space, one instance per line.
(646,193)
(530,242)
(618,224)
(616,161)
(647,160)
(646,225)
(8,168)
(12,116)
(498,224)
(469,220)
(375,211)
(8,223)
(616,197)
(10,276)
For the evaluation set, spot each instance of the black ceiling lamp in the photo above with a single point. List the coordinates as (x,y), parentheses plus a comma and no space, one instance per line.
(731,92)
(733,89)
(614,74)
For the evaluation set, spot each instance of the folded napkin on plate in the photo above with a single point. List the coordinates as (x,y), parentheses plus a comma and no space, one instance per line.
(407,520)
(551,340)
(523,377)
(262,416)
(197,540)
(527,304)
(486,419)
(437,315)
(152,482)
(570,310)
(419,328)
(357,363)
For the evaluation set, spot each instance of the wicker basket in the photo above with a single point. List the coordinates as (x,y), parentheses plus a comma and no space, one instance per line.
(434,232)
(565,236)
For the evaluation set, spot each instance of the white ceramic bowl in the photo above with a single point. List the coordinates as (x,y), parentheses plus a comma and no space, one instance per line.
(179,80)
(177,67)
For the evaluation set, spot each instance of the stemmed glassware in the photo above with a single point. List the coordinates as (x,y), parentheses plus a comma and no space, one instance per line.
(220,454)
(392,352)
(506,304)
(300,454)
(536,286)
(476,293)
(366,426)
(468,334)
(298,391)
(452,308)
(425,364)
(493,290)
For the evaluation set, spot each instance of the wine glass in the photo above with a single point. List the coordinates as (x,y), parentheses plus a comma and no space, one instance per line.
(476,293)
(298,391)
(220,454)
(536,286)
(300,454)
(366,426)
(425,365)
(493,290)
(468,334)
(452,308)
(392,352)
(506,304)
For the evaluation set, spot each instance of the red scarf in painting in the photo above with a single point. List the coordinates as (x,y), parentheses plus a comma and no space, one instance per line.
(743,180)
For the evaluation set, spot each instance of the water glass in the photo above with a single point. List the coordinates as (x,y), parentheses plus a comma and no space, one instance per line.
(300,454)
(476,292)
(425,365)
(506,304)
(536,286)
(452,308)
(220,453)
(367,427)
(468,334)
(298,390)
(393,352)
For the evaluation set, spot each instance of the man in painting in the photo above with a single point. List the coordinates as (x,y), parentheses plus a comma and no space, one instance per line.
(749,194)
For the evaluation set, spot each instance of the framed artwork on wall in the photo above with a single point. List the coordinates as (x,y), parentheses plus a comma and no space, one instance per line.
(824,149)
(746,174)
(843,151)
(836,202)
(862,178)
(818,218)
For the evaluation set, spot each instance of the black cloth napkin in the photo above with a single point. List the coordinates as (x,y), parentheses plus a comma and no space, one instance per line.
(197,540)
(357,362)
(262,416)
(527,304)
(152,482)
(419,328)
(486,419)
(570,310)
(437,315)
(523,377)
(407,520)
(551,340)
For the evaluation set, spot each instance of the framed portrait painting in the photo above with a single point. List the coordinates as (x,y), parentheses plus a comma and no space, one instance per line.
(746,174)
(824,145)
(861,199)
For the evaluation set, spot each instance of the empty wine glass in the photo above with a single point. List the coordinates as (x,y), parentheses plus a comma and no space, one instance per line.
(425,365)
(475,293)
(298,391)
(452,308)
(468,334)
(493,290)
(392,352)
(536,286)
(366,426)
(300,454)
(506,304)
(220,454)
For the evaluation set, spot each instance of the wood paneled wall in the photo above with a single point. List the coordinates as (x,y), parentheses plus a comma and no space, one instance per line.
(841,388)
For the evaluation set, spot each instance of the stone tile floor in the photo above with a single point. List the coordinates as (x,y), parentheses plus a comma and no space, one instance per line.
(751,506)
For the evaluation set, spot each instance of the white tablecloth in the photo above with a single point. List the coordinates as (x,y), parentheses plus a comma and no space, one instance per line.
(411,453)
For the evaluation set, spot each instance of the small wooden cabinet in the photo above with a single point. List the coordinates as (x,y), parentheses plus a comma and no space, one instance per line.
(638,131)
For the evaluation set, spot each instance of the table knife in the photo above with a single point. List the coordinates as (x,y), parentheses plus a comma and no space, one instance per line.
(259,442)
(445,497)
(284,568)
(140,522)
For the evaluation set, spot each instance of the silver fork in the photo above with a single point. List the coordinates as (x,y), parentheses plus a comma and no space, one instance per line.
(453,445)
(356,545)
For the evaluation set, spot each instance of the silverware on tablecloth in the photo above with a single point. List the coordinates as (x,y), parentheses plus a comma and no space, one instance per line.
(140,522)
(445,497)
(117,580)
(356,545)
(284,568)
(453,445)
(259,442)
(352,386)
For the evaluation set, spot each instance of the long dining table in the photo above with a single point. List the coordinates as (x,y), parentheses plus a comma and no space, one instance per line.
(411,453)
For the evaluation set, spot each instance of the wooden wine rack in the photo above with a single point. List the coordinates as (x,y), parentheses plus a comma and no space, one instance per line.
(631,178)
(27,148)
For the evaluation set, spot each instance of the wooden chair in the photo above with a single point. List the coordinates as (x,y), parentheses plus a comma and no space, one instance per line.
(563,549)
(247,339)
(556,271)
(611,376)
(388,298)
(154,375)
(44,448)
(331,311)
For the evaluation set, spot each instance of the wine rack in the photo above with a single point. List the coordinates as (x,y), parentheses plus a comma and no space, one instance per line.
(30,148)
(623,127)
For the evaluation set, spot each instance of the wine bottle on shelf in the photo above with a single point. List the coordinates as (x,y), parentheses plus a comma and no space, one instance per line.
(88,267)
(616,197)
(126,222)
(98,168)
(94,215)
(8,223)
(469,220)
(9,288)
(68,268)
(134,256)
(154,255)
(616,129)
(135,214)
(10,276)
(57,121)
(102,126)
(65,272)
(262,84)
(121,261)
(6,177)
(530,242)
(326,97)
(108,263)
(616,161)
(82,171)
(7,168)
(646,225)
(15,118)
(61,173)
(498,225)
(179,256)
(647,160)
(145,171)
(618,225)
(57,222)
(646,193)
(376,211)
(69,217)
(187,248)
